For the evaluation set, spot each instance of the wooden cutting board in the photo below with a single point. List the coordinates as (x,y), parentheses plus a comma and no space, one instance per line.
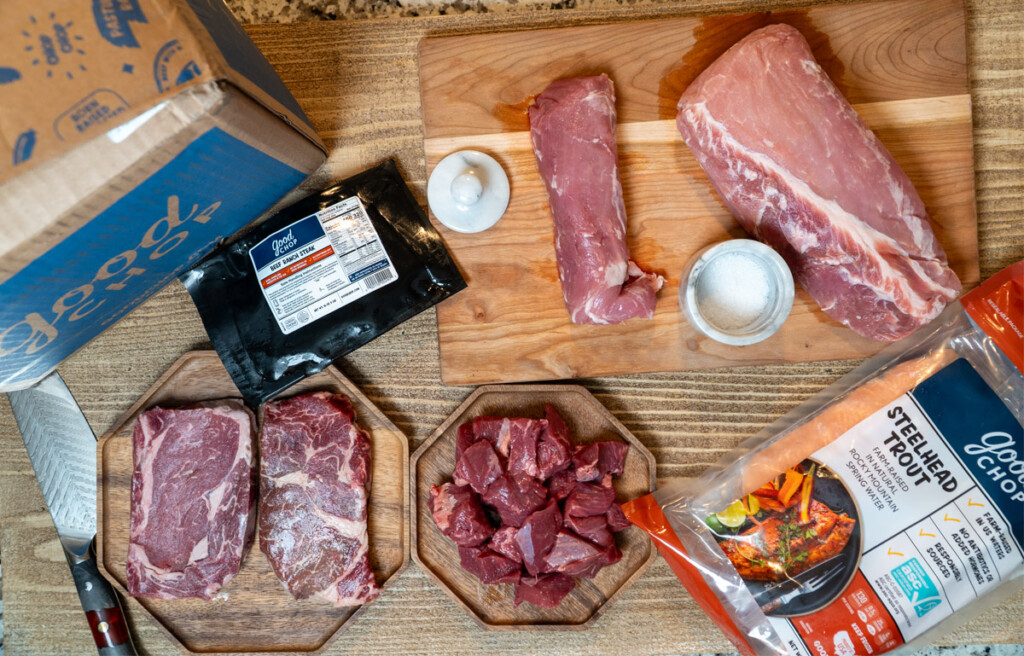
(902,64)
(253,612)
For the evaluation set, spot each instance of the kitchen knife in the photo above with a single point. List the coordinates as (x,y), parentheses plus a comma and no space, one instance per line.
(62,449)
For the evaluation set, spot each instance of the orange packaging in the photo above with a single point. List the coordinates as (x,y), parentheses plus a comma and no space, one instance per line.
(883,511)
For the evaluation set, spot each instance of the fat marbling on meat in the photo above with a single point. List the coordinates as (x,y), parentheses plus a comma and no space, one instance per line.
(802,172)
(572,125)
(193,503)
(314,485)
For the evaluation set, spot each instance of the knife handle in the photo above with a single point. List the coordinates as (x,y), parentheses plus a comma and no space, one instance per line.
(102,607)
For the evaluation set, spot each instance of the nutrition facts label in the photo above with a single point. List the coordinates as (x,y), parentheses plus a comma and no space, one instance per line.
(321,264)
(938,479)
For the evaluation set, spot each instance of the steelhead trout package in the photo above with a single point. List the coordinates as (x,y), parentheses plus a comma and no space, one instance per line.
(885,510)
(320,279)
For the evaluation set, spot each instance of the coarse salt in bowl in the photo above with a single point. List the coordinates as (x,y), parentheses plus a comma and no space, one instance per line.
(737,292)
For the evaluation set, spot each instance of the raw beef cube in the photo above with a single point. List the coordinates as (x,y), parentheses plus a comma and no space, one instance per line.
(593,528)
(496,430)
(576,557)
(800,171)
(609,556)
(522,458)
(587,568)
(537,536)
(504,542)
(589,499)
(617,519)
(556,427)
(572,126)
(593,461)
(561,484)
(554,448)
(488,566)
(314,477)
(613,457)
(570,552)
(585,461)
(478,467)
(464,439)
(545,590)
(515,498)
(459,515)
(193,503)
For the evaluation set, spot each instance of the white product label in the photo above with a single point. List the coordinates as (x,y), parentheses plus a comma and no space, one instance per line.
(321,264)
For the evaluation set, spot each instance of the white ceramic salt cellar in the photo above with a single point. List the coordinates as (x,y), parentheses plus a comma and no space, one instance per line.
(737,292)
(468,191)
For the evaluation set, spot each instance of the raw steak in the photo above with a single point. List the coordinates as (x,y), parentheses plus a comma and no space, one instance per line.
(802,172)
(314,481)
(572,124)
(193,506)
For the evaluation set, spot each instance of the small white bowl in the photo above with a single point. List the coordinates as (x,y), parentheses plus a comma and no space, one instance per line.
(468,191)
(737,292)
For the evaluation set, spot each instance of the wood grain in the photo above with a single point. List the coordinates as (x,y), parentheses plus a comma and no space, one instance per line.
(492,605)
(253,612)
(357,81)
(903,66)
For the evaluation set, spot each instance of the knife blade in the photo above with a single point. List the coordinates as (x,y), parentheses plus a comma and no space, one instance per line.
(62,449)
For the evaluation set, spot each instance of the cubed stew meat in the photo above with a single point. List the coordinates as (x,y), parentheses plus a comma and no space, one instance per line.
(527,507)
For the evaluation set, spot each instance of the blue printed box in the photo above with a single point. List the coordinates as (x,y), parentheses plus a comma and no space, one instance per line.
(134,135)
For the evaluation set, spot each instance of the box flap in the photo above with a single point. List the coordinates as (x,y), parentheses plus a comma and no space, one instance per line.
(72,70)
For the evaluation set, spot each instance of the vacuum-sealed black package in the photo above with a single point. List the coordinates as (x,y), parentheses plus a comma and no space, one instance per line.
(320,279)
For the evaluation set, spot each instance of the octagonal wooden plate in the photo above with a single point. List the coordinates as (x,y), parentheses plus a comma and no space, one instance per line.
(253,612)
(492,605)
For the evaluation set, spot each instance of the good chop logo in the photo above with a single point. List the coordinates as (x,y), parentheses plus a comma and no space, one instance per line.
(284,244)
(998,456)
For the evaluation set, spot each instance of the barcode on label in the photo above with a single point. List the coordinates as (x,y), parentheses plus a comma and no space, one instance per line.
(379,279)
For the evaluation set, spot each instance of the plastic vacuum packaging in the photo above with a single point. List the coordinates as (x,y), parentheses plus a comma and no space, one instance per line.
(320,279)
(883,511)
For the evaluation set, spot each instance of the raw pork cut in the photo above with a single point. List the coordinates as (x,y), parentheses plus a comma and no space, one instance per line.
(193,507)
(572,124)
(314,481)
(801,171)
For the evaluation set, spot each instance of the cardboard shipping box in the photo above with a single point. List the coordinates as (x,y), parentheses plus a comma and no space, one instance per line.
(134,135)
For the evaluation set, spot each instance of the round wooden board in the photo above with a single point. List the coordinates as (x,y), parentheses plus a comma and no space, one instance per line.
(492,605)
(253,612)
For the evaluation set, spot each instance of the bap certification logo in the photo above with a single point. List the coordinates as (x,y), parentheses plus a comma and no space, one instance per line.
(917,586)
(173,66)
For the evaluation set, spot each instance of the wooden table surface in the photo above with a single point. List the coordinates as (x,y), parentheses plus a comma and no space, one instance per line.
(688,420)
